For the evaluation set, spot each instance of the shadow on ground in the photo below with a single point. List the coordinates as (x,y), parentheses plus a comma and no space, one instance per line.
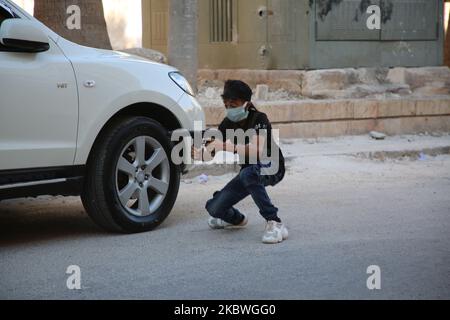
(26,221)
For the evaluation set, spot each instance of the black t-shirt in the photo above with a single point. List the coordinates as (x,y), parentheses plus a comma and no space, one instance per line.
(257,121)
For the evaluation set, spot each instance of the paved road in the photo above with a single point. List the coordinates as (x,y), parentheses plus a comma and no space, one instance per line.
(344,214)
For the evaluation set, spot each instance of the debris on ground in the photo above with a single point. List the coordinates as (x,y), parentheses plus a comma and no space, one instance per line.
(422,156)
(377,135)
(203,179)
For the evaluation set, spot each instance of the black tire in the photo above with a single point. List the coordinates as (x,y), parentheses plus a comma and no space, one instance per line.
(100,196)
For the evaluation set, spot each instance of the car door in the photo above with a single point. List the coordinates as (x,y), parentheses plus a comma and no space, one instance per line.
(38,108)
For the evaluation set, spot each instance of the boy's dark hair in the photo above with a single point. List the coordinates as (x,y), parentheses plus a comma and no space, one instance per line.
(236,89)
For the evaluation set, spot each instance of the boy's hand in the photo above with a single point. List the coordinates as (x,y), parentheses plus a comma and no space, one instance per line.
(197,154)
(210,150)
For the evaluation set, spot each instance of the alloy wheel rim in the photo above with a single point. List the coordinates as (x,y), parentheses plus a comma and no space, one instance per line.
(142,176)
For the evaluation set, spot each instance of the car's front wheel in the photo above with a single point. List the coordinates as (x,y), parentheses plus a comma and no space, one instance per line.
(131,185)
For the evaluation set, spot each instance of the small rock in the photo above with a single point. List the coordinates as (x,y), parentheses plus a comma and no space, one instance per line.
(377,135)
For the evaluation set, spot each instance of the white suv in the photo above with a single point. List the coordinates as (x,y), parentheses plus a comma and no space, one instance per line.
(77,120)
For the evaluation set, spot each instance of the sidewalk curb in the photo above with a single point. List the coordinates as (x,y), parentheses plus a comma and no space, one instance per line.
(411,154)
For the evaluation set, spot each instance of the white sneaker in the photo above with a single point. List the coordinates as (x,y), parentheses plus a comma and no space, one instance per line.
(275,233)
(216,223)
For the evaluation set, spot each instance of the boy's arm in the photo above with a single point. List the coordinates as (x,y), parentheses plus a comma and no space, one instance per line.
(255,149)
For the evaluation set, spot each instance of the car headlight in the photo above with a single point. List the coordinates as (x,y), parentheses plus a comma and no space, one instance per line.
(182,82)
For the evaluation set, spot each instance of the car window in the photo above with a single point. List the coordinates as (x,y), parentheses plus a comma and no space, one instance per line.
(5,12)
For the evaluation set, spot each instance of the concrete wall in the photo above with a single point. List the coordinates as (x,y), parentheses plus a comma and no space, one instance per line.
(329,118)
(422,104)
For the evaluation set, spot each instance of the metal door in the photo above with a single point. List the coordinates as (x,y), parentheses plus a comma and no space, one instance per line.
(255,34)
(252,46)
(344,20)
(288,34)
(410,20)
(269,32)
(233,34)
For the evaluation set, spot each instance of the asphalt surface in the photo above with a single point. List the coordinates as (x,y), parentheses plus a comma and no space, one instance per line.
(344,215)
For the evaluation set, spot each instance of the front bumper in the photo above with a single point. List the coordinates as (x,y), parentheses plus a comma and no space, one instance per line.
(194,118)
(193,126)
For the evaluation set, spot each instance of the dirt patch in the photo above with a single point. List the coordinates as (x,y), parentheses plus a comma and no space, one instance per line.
(412,155)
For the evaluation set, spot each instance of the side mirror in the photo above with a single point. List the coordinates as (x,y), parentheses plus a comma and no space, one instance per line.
(23,36)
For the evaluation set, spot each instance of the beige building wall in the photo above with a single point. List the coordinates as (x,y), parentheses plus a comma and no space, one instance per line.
(446,16)
(123,18)
(155,18)
(239,34)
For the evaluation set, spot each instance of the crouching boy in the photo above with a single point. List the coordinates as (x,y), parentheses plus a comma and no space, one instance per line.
(266,169)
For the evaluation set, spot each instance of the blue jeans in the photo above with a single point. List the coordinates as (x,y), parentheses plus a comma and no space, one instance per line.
(248,182)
